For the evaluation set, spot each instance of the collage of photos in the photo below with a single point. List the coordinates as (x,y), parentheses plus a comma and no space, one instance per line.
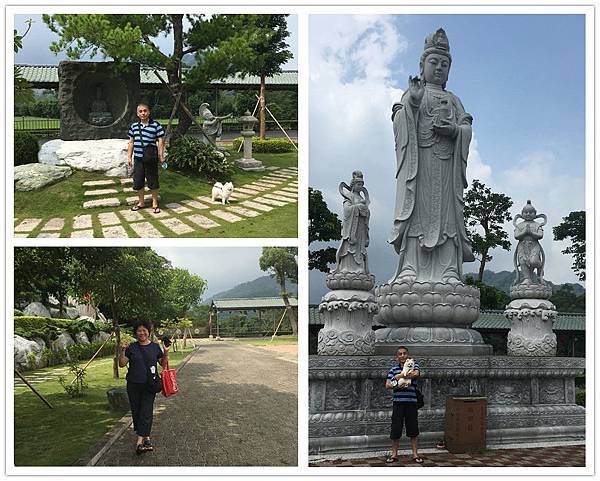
(300,239)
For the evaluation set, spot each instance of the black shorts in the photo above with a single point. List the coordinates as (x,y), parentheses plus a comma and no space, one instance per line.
(404,414)
(145,171)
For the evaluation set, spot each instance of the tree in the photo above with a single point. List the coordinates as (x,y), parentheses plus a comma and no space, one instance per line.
(23,90)
(219,43)
(573,227)
(182,292)
(490,297)
(281,263)
(323,226)
(566,300)
(270,52)
(129,280)
(489,210)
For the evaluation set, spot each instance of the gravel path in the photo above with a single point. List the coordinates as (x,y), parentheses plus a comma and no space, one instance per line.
(237,406)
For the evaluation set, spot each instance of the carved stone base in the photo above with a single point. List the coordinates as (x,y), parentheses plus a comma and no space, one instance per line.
(427,304)
(347,317)
(250,165)
(530,291)
(529,399)
(350,280)
(429,341)
(531,327)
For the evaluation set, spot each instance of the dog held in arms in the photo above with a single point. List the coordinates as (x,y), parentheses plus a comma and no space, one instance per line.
(222,191)
(408,366)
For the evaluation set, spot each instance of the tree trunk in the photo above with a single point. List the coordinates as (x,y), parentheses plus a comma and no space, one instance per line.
(117,338)
(174,77)
(290,310)
(261,110)
(482,266)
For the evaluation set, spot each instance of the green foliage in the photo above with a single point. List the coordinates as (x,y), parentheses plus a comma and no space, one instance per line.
(490,211)
(580,396)
(17,312)
(46,107)
(566,300)
(49,329)
(490,296)
(323,226)
(22,89)
(79,386)
(573,227)
(266,146)
(26,148)
(191,154)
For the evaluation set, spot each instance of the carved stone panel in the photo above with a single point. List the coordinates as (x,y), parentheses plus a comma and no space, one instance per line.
(342,395)
(513,392)
(381,398)
(552,391)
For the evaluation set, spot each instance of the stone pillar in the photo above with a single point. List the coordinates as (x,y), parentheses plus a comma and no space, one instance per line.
(247,162)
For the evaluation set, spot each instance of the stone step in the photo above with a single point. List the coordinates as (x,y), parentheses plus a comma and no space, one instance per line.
(109,202)
(108,218)
(91,193)
(257,205)
(195,204)
(134,199)
(268,185)
(83,221)
(208,200)
(264,200)
(116,231)
(92,183)
(83,234)
(244,190)
(131,215)
(145,229)
(202,221)
(48,234)
(177,208)
(27,225)
(126,181)
(56,223)
(290,189)
(229,217)
(285,193)
(280,198)
(260,188)
(241,211)
(176,225)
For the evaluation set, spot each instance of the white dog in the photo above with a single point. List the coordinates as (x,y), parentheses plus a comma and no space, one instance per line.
(408,366)
(223,192)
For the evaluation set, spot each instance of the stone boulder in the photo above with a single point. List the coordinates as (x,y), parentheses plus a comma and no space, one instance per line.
(62,342)
(86,318)
(100,336)
(106,155)
(28,354)
(36,309)
(118,399)
(81,338)
(35,176)
(54,313)
(40,342)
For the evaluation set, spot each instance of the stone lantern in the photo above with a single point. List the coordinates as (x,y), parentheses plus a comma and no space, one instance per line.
(247,162)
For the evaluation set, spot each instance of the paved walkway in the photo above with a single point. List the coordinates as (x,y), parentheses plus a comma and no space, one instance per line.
(569,456)
(277,188)
(237,407)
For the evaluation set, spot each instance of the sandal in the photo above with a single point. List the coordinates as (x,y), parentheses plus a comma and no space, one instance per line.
(418,460)
(156,210)
(140,449)
(138,207)
(391,459)
(148,446)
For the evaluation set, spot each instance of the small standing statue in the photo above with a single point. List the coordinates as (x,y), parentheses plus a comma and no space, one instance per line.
(212,127)
(347,310)
(530,311)
(352,253)
(529,254)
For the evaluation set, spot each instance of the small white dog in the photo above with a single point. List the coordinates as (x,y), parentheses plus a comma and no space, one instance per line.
(222,191)
(408,366)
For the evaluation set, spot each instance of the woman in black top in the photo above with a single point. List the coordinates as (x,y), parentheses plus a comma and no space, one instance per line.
(142,357)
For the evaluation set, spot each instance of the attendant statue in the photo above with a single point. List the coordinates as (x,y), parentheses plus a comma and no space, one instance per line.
(212,125)
(100,113)
(529,258)
(352,253)
(432,136)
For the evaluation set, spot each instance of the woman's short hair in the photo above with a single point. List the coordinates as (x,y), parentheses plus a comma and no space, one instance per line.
(146,324)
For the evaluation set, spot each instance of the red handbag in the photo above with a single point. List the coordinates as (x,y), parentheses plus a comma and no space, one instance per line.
(169,381)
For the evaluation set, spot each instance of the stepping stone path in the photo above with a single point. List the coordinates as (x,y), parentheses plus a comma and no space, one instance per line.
(277,188)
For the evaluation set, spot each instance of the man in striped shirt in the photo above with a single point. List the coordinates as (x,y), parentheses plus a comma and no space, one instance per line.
(145,132)
(404,411)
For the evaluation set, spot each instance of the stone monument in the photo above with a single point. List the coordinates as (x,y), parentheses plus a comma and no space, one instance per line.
(530,312)
(347,310)
(247,162)
(97,99)
(212,125)
(425,305)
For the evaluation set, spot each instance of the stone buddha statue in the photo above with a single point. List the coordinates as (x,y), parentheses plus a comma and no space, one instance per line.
(100,113)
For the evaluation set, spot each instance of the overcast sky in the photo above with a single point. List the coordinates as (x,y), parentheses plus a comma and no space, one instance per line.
(36,52)
(222,267)
(521,77)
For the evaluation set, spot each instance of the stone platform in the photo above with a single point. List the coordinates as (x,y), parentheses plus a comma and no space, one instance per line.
(529,399)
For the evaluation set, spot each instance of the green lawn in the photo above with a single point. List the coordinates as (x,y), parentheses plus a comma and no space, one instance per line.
(60,436)
(266,341)
(65,199)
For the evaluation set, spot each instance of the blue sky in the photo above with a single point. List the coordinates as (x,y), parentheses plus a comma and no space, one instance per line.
(520,76)
(36,51)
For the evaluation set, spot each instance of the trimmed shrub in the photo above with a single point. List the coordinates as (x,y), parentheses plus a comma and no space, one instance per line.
(580,397)
(49,329)
(191,154)
(77,352)
(26,148)
(17,312)
(267,146)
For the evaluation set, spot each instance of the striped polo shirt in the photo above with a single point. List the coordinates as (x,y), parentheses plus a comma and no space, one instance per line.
(406,394)
(150,134)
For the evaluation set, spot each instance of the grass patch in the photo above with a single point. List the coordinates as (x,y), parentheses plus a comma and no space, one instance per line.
(266,341)
(65,199)
(60,436)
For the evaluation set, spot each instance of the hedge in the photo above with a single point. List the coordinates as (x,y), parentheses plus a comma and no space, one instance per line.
(267,146)
(26,148)
(77,352)
(49,328)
